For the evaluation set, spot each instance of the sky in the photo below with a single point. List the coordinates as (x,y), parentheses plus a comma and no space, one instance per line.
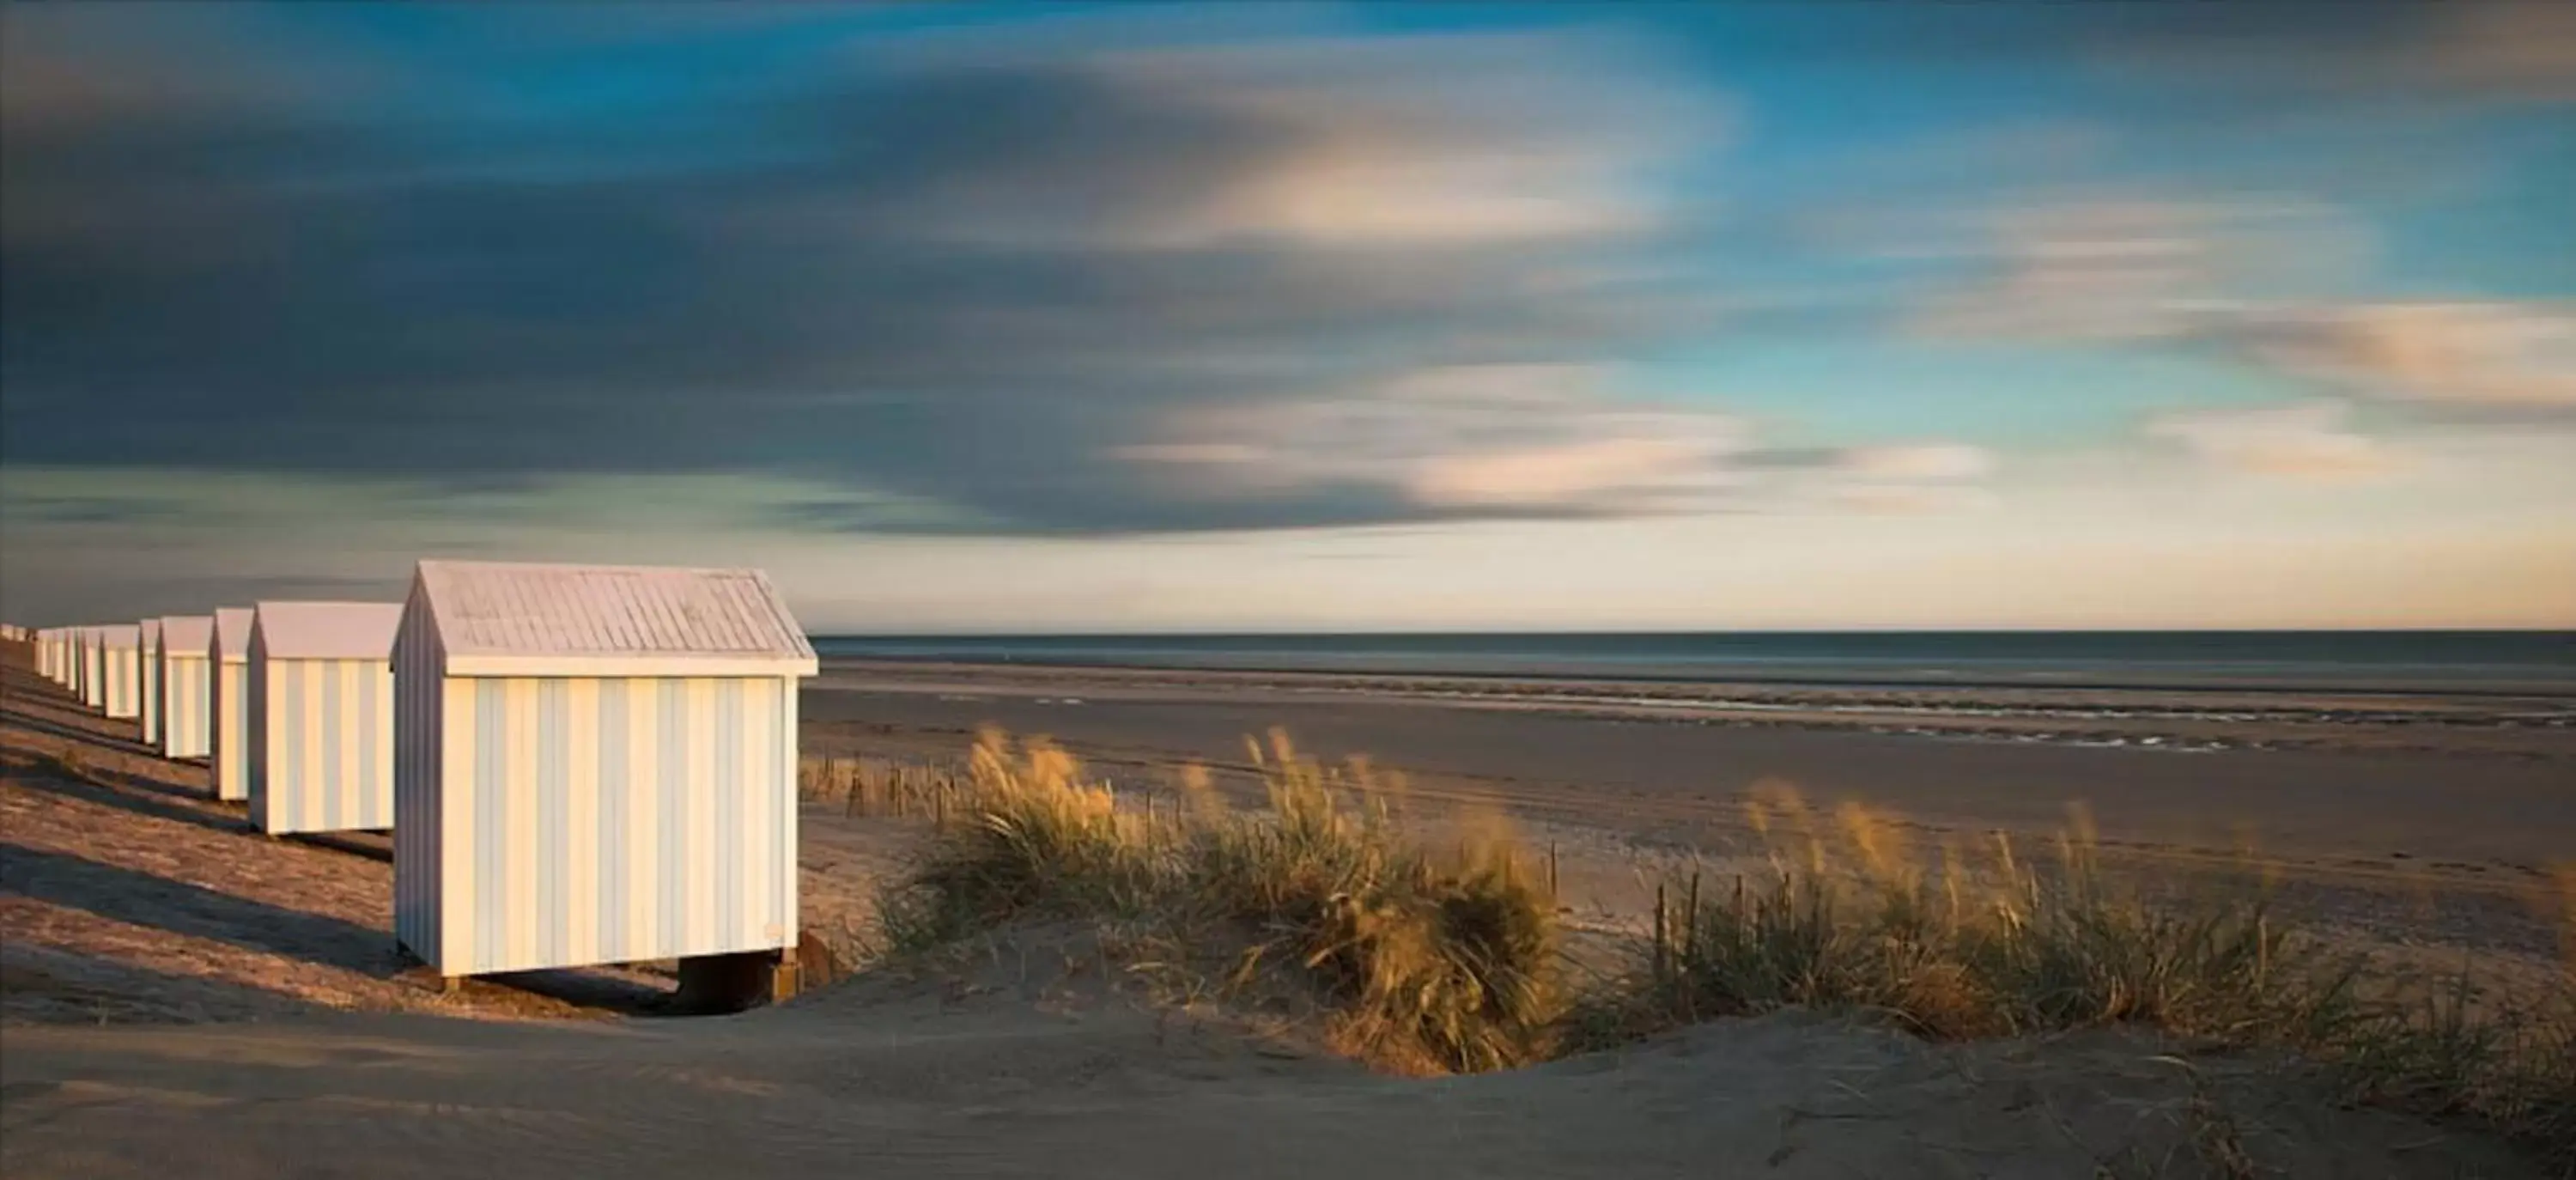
(1142,317)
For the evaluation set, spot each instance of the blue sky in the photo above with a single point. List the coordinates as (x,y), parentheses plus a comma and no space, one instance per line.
(1140,317)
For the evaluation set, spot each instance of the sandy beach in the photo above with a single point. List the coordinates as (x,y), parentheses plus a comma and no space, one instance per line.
(181,993)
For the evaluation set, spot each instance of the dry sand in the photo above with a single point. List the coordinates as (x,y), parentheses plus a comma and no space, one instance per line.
(183,997)
(1031,1067)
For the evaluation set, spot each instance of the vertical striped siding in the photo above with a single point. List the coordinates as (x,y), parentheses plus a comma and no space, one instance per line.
(228,728)
(258,686)
(149,656)
(453,902)
(491,701)
(588,820)
(93,674)
(554,799)
(122,675)
(670,791)
(419,696)
(187,704)
(322,746)
(782,829)
(727,862)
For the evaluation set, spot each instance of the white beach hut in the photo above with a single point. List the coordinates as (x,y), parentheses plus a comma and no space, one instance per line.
(228,728)
(120,670)
(148,680)
(594,764)
(49,651)
(187,690)
(89,667)
(321,718)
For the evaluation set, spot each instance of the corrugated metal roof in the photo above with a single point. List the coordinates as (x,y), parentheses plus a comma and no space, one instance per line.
(119,635)
(232,631)
(187,635)
(593,611)
(328,630)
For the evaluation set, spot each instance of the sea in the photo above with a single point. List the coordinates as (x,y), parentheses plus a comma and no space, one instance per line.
(2476,662)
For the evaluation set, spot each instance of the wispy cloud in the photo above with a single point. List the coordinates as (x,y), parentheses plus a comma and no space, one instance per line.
(1464,440)
(2249,278)
(2306,440)
(2475,354)
(2117,268)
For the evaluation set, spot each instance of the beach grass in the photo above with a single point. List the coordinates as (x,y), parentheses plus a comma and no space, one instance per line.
(1953,943)
(1447,959)
(1423,960)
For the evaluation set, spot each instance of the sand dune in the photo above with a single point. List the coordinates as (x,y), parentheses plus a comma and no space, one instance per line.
(881,1077)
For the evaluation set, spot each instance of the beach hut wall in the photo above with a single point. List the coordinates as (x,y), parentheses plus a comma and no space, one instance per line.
(93,668)
(594,764)
(187,689)
(228,717)
(148,680)
(321,716)
(120,670)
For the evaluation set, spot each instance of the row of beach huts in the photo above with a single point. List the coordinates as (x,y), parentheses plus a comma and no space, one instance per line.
(579,764)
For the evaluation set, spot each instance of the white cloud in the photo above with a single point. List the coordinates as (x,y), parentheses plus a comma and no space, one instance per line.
(2246,276)
(2488,353)
(1915,462)
(2305,440)
(1542,440)
(2121,268)
(1532,437)
(1640,471)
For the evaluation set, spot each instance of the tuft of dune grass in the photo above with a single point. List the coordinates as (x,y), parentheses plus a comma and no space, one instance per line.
(1844,916)
(1423,961)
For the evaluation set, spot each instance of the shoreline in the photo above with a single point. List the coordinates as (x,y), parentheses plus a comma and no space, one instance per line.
(2538,727)
(2561,692)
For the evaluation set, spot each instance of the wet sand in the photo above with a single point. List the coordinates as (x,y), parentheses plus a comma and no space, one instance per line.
(2474,784)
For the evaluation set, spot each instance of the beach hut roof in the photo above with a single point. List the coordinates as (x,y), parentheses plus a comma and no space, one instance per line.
(151,629)
(119,635)
(232,631)
(507,618)
(328,630)
(187,635)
